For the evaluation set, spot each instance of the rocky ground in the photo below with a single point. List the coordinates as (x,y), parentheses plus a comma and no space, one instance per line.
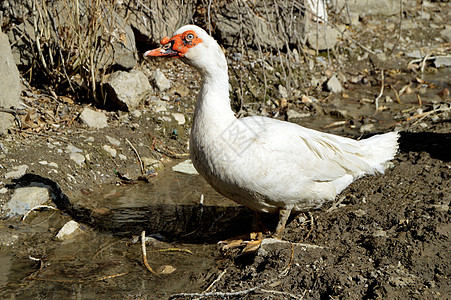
(384,237)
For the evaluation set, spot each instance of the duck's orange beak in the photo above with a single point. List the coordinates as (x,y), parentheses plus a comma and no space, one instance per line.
(177,46)
(166,50)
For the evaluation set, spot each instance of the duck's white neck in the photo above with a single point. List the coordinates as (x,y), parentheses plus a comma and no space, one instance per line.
(213,103)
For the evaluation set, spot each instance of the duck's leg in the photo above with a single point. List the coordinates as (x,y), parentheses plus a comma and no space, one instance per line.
(284,214)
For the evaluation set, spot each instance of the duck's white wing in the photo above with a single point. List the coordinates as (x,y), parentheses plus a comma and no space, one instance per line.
(288,153)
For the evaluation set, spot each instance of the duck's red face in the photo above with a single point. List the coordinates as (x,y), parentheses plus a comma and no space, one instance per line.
(177,46)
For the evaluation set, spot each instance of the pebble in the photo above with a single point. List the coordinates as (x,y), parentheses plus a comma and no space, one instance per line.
(24,199)
(283,91)
(122,157)
(54,165)
(69,231)
(443,61)
(180,118)
(446,34)
(94,119)
(185,167)
(160,81)
(73,149)
(159,106)
(367,128)
(292,115)
(78,158)
(136,113)
(110,150)
(113,141)
(334,85)
(3,190)
(17,172)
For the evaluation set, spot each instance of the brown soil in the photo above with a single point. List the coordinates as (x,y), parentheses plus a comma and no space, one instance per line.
(384,237)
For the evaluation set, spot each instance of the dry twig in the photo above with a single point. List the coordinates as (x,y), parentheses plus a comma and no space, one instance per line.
(141,164)
(376,101)
(144,253)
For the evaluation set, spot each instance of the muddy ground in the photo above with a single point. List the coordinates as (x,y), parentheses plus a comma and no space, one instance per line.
(384,237)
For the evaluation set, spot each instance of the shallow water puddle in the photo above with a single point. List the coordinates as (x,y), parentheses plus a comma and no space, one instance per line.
(177,206)
(106,259)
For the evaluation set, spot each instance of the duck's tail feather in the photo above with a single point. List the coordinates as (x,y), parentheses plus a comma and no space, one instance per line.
(381,149)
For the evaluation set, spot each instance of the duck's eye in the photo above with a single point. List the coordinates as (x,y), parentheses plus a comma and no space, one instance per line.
(190,36)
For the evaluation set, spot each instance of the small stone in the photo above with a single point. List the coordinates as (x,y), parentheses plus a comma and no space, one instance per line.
(293,115)
(90,140)
(17,172)
(425,15)
(110,150)
(180,118)
(367,128)
(388,99)
(443,61)
(113,141)
(69,231)
(334,85)
(73,149)
(381,56)
(380,233)
(53,164)
(182,90)
(283,91)
(43,162)
(3,190)
(185,167)
(122,157)
(166,269)
(160,81)
(78,158)
(136,113)
(359,213)
(159,106)
(24,199)
(94,119)
(446,34)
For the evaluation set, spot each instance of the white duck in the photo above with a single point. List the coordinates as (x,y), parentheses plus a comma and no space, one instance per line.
(266,164)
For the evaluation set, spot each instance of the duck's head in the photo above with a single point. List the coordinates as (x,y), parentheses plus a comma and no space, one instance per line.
(193,45)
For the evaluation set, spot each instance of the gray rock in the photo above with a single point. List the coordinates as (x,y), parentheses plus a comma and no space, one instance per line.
(367,8)
(78,158)
(70,230)
(24,199)
(9,83)
(446,34)
(94,119)
(154,19)
(323,38)
(443,61)
(113,46)
(185,167)
(180,118)
(17,172)
(265,25)
(127,89)
(160,81)
(334,85)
